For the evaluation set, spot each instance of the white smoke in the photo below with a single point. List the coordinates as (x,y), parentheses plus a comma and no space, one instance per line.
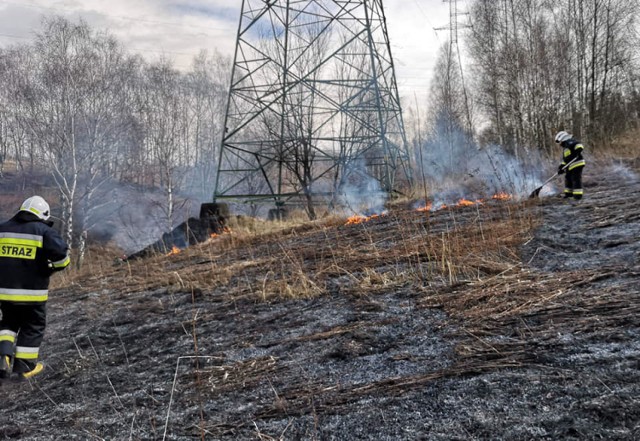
(455,167)
(359,193)
(623,173)
(135,217)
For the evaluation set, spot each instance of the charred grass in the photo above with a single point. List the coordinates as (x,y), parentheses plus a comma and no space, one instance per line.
(446,321)
(431,255)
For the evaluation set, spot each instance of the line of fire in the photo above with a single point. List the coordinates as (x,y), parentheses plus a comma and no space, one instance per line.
(314,120)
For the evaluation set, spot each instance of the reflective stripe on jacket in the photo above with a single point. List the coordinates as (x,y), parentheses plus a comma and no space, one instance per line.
(573,150)
(30,251)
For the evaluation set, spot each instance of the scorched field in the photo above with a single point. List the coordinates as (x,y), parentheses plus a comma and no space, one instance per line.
(497,320)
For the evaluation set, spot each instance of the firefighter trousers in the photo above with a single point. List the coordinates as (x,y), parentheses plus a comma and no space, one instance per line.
(573,183)
(21,332)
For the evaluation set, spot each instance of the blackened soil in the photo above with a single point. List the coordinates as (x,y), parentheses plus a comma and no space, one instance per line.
(397,363)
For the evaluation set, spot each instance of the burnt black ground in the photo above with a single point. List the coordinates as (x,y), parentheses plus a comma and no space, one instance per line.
(345,366)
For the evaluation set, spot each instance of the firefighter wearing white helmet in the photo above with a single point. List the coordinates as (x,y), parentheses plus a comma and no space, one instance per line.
(38,206)
(572,155)
(562,137)
(30,251)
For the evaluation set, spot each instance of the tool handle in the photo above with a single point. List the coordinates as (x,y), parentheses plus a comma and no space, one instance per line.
(568,164)
(550,179)
(558,174)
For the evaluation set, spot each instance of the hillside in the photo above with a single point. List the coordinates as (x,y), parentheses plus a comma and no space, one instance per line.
(506,320)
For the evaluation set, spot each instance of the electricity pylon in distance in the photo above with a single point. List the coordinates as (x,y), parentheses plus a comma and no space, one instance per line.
(313,103)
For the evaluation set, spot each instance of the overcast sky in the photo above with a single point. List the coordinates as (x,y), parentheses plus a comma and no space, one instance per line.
(180,28)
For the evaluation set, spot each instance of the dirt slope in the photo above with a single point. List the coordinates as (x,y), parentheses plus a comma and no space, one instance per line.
(544,345)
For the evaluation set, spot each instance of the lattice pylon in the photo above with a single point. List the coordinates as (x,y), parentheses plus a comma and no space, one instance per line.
(313,97)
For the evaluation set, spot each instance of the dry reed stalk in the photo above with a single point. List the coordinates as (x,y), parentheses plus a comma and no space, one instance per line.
(300,260)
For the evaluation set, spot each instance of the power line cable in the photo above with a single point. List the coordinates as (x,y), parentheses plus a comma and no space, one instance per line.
(435,33)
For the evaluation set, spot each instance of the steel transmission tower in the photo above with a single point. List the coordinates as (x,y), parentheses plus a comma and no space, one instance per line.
(454,27)
(313,103)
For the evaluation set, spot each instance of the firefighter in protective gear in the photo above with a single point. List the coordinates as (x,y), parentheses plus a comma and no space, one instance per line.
(572,151)
(30,251)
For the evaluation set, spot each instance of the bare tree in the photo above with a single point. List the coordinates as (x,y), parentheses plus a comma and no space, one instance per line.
(295,132)
(75,104)
(206,88)
(163,117)
(74,108)
(543,65)
(448,108)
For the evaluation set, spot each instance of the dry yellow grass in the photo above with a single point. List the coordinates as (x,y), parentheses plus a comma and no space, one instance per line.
(624,147)
(270,260)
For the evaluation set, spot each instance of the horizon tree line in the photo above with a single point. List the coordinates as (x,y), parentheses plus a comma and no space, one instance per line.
(76,103)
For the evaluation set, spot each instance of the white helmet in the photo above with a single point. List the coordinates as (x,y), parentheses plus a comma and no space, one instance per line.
(37,206)
(562,136)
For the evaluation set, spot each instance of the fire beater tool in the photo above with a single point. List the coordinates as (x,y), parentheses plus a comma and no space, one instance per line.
(535,193)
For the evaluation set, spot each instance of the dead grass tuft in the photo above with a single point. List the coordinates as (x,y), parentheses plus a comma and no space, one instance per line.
(624,147)
(283,260)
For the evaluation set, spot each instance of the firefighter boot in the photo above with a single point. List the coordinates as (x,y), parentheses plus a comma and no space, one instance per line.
(5,366)
(27,369)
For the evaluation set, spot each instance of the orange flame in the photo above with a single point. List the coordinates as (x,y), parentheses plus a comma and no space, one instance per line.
(430,207)
(427,207)
(353,220)
(502,196)
(358,219)
(225,230)
(465,203)
(174,250)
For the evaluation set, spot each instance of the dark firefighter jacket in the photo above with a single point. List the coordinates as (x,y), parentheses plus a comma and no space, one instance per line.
(572,150)
(30,251)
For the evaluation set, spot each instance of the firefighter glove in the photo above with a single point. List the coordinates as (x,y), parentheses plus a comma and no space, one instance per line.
(560,169)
